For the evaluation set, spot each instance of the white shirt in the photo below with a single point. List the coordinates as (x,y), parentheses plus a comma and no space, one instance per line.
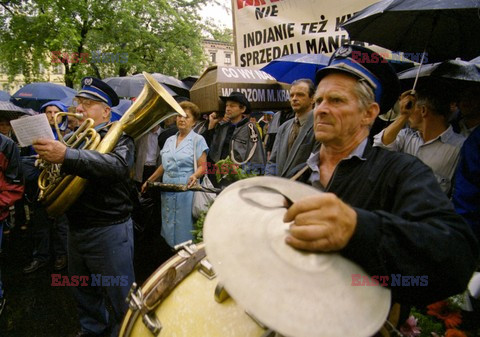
(152,149)
(441,154)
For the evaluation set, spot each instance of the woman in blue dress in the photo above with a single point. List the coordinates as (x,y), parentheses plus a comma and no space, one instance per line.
(178,168)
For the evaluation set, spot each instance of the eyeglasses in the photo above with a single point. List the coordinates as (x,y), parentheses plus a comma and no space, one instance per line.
(87,103)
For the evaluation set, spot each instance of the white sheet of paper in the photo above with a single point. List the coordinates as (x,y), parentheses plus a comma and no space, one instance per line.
(31,128)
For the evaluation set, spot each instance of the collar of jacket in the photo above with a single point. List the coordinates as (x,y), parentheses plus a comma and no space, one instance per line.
(241,123)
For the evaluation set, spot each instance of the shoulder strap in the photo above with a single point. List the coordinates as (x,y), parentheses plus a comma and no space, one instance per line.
(253,138)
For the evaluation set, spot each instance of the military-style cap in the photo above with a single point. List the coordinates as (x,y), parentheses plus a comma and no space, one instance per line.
(237,97)
(97,90)
(369,66)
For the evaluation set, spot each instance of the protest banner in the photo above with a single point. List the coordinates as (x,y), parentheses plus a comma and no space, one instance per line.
(268,29)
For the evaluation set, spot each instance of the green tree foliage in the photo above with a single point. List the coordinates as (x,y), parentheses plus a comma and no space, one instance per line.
(120,37)
(223,34)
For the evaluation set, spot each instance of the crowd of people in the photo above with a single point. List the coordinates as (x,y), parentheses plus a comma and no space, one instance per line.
(387,205)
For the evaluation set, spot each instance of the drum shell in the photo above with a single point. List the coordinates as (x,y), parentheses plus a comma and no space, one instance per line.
(191,310)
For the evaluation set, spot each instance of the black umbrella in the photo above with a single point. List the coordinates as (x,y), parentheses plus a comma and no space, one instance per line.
(456,70)
(131,86)
(445,29)
(9,110)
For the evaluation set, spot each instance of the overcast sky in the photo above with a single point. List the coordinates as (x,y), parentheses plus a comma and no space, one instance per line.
(219,13)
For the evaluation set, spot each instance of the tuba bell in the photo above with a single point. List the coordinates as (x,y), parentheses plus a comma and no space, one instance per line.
(153,105)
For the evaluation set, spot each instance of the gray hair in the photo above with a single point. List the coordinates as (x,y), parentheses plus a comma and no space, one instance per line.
(364,93)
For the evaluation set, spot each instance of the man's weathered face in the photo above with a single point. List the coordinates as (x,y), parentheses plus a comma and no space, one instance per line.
(50,112)
(300,101)
(233,110)
(338,116)
(98,111)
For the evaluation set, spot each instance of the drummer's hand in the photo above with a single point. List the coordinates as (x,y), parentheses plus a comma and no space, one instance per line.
(50,150)
(322,223)
(407,103)
(192,180)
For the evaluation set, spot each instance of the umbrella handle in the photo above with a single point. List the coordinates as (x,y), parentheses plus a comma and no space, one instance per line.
(418,70)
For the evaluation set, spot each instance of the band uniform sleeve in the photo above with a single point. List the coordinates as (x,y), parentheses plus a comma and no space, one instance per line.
(111,166)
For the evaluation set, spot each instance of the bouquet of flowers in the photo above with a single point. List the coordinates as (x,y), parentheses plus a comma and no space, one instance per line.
(440,319)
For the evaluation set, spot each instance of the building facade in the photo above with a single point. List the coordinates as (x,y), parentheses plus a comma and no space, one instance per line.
(54,74)
(219,53)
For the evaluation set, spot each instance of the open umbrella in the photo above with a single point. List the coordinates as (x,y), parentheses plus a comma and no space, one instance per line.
(131,86)
(34,95)
(173,83)
(4,96)
(189,81)
(11,111)
(456,70)
(295,66)
(261,89)
(445,29)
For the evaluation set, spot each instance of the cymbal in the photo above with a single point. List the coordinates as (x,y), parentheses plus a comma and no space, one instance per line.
(292,292)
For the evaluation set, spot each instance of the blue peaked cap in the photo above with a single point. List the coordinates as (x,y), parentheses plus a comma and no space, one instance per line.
(97,90)
(369,66)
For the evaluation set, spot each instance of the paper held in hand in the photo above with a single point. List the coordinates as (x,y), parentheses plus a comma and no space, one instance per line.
(28,129)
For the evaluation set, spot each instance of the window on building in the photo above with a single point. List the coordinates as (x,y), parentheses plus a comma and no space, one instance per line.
(213,57)
(58,69)
(228,58)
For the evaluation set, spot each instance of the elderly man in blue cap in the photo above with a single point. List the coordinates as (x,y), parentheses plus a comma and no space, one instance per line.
(100,237)
(383,210)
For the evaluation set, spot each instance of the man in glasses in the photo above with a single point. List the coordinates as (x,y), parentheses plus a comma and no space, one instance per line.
(100,237)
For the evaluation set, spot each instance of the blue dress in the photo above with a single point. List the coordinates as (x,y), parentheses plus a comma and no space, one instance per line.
(177,220)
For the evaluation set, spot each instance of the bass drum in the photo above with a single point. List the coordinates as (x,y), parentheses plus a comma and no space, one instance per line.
(183,298)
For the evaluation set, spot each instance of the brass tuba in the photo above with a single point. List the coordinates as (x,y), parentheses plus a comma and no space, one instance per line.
(153,105)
